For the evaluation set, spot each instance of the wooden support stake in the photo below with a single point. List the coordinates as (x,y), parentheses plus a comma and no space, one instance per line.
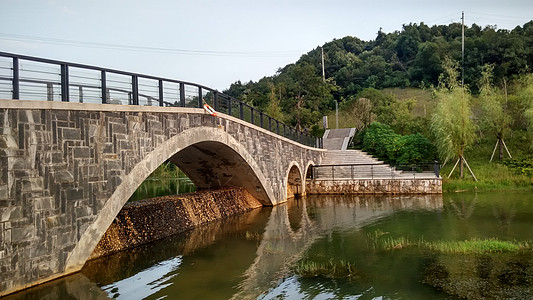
(506,148)
(494,151)
(470,169)
(453,169)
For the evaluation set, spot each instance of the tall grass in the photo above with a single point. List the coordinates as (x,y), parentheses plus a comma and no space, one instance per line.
(330,269)
(473,246)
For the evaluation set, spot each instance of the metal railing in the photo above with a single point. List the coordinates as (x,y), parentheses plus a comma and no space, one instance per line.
(375,171)
(33,78)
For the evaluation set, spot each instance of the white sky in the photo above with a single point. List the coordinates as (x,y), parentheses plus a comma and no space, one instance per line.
(224,41)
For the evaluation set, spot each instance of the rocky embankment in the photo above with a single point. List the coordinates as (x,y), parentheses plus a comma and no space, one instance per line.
(152,219)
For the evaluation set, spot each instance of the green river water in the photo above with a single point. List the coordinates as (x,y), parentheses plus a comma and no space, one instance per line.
(261,254)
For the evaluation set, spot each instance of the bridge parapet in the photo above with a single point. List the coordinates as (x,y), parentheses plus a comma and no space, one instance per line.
(27,77)
(68,168)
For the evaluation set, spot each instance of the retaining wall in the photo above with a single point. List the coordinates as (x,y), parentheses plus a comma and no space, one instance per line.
(153,219)
(375,186)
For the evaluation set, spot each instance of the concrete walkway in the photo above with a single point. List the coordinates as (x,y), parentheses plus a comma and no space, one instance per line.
(338,139)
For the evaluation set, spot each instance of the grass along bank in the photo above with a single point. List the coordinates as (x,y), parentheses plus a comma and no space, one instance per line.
(473,246)
(493,175)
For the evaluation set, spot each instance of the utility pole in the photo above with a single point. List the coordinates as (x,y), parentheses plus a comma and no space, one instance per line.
(463,48)
(323,68)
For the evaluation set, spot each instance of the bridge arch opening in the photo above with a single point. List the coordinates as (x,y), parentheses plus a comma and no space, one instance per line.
(210,157)
(213,164)
(294,182)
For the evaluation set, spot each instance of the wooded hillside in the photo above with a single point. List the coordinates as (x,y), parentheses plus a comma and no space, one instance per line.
(412,57)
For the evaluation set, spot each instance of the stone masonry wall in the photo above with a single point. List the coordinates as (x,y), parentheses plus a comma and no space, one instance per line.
(61,163)
(375,186)
(149,220)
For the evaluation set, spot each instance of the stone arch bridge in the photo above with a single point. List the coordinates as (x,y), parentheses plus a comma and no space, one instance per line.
(68,168)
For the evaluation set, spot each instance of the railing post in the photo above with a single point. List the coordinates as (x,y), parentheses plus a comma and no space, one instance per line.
(241,110)
(436,168)
(80,93)
(372,171)
(352,177)
(182,94)
(332,172)
(252,112)
(215,100)
(277,126)
(103,86)
(50,91)
(135,90)
(269,123)
(161,101)
(229,106)
(64,83)
(200,98)
(261,118)
(16,78)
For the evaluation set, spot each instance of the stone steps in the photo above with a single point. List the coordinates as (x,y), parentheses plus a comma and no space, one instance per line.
(367,166)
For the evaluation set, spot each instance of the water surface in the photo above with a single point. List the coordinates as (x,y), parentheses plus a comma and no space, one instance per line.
(256,255)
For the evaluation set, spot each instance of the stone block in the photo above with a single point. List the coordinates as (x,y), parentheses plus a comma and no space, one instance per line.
(113,165)
(74,194)
(125,145)
(52,222)
(19,234)
(19,163)
(10,213)
(4,192)
(118,128)
(83,210)
(62,176)
(81,152)
(31,184)
(61,115)
(107,148)
(44,203)
(70,133)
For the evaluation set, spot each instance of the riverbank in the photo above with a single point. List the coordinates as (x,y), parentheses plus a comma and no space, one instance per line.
(492,176)
(148,220)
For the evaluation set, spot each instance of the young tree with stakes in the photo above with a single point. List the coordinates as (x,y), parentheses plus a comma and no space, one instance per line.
(452,121)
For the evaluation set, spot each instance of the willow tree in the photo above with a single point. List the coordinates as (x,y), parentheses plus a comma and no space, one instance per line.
(494,102)
(452,122)
(526,93)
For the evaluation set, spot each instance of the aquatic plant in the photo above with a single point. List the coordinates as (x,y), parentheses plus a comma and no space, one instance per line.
(330,269)
(473,246)
(477,246)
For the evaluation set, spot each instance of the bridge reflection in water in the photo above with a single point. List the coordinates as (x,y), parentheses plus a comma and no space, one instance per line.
(239,258)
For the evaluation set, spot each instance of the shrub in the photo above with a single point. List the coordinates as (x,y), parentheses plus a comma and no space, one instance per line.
(380,140)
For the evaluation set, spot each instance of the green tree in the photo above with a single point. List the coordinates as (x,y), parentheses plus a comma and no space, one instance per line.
(273,108)
(362,112)
(452,123)
(495,119)
(526,94)
(306,95)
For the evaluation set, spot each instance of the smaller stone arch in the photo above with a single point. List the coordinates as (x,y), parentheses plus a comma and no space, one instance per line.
(294,181)
(308,175)
(309,170)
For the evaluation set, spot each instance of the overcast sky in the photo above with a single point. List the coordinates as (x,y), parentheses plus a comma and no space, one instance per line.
(216,43)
